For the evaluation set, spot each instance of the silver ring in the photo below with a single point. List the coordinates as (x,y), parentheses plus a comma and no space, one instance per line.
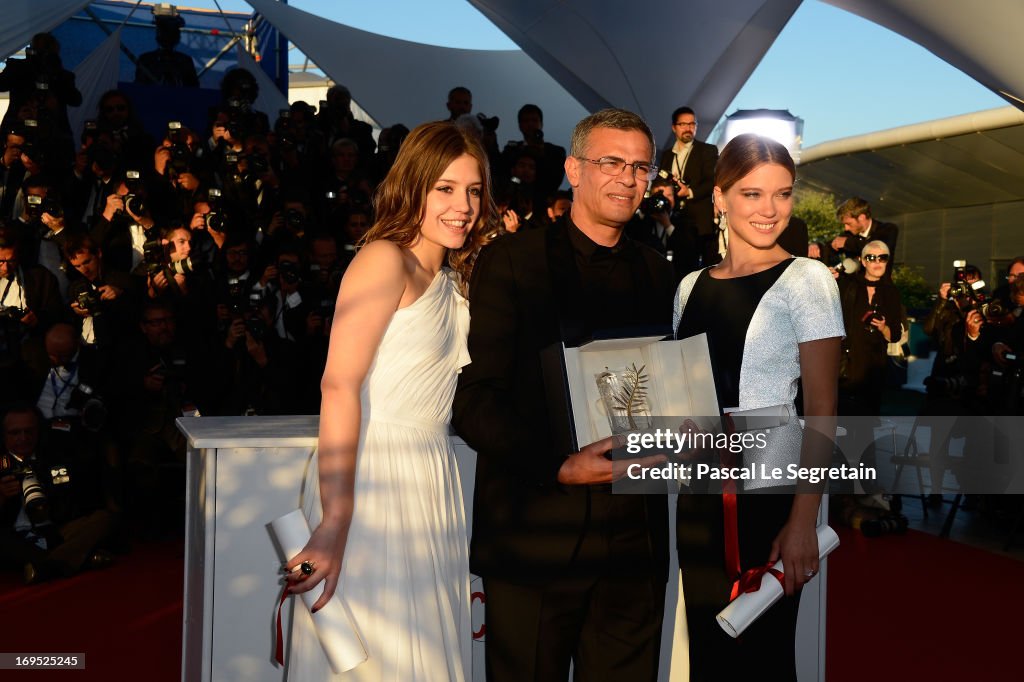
(809,574)
(307,567)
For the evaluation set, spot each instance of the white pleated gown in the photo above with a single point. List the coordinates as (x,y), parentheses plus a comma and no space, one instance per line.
(405,572)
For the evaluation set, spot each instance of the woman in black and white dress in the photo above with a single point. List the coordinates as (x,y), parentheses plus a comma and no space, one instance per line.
(771,320)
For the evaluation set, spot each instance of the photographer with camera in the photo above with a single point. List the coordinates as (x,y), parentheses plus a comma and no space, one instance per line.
(285,295)
(658,225)
(234,118)
(12,172)
(389,142)
(125,225)
(40,229)
(167,375)
(1007,343)
(691,164)
(51,523)
(325,270)
(1014,271)
(41,80)
(232,280)
(299,147)
(337,122)
(117,123)
(549,158)
(96,166)
(514,202)
(252,186)
(347,182)
(859,228)
(355,224)
(180,176)
(558,204)
(260,366)
(211,224)
(874,318)
(103,302)
(29,302)
(954,324)
(79,399)
(320,292)
(172,276)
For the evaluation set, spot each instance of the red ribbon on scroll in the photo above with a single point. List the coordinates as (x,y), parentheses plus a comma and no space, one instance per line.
(750,581)
(279,646)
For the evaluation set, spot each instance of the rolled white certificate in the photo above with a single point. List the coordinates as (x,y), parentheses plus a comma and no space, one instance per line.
(334,625)
(749,606)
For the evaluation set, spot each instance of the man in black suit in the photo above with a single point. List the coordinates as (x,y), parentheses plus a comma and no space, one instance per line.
(658,225)
(571,572)
(860,228)
(28,295)
(550,158)
(12,172)
(692,164)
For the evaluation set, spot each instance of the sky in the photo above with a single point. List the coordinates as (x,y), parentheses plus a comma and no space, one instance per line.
(842,74)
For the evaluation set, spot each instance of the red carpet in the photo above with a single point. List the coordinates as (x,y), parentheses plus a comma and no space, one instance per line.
(916,607)
(125,619)
(900,608)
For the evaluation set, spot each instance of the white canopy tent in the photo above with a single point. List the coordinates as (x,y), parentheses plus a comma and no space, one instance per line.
(647,56)
(581,55)
(982,39)
(397,81)
(25,18)
(94,76)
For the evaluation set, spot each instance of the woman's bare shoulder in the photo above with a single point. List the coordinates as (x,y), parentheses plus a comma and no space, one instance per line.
(379,262)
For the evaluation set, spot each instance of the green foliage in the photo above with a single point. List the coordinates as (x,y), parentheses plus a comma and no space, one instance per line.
(818,210)
(914,288)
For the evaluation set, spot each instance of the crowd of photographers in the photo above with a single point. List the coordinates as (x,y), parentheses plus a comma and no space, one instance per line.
(144,279)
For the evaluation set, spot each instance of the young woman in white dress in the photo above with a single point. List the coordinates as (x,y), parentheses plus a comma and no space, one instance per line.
(391,538)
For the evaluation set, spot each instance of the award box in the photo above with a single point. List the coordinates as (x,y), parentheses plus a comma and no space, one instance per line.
(679,383)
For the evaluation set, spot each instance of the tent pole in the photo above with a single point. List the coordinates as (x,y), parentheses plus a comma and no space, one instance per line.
(224,17)
(216,58)
(281,61)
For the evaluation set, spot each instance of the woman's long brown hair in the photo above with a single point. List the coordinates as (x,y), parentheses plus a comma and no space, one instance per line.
(400,201)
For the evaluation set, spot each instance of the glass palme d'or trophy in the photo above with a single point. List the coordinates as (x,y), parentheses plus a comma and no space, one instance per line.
(623,394)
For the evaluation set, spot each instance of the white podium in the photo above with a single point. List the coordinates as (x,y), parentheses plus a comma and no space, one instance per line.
(243,472)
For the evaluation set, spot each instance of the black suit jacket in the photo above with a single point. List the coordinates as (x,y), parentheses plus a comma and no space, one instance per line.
(699,176)
(42,297)
(528,528)
(886,232)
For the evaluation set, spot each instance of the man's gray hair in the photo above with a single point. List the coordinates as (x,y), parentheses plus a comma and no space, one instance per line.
(617,119)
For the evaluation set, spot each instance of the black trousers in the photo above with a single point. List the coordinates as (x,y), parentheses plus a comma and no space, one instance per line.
(81,536)
(609,628)
(767,649)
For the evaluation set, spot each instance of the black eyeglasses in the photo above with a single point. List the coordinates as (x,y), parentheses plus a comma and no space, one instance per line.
(611,165)
(880,257)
